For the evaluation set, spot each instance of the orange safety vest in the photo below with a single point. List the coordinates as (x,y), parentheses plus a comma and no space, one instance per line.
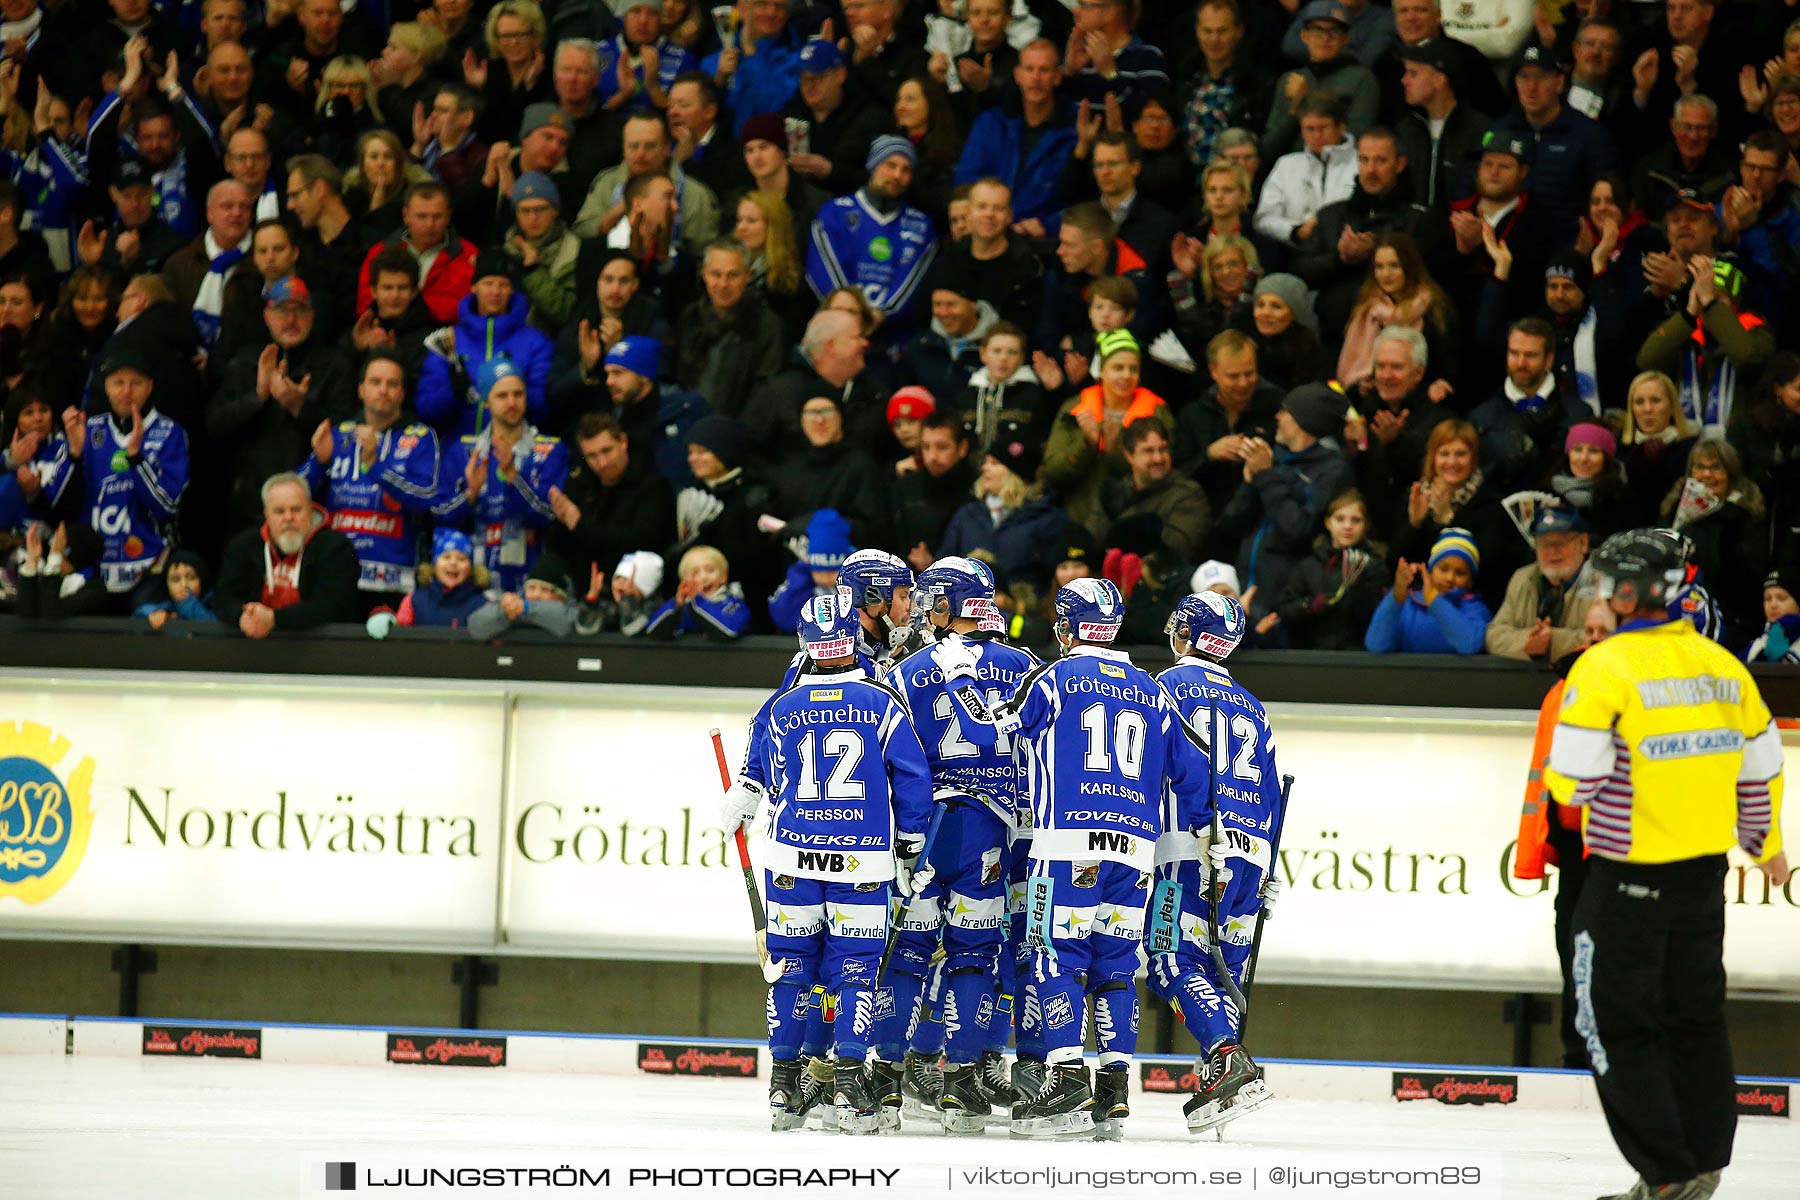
(1534,848)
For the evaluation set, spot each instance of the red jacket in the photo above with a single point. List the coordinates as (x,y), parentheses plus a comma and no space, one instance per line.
(451,275)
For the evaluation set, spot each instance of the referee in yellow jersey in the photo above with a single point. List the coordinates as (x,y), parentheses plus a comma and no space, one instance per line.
(1668,747)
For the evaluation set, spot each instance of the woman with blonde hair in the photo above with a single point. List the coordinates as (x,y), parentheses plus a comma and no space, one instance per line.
(514,73)
(1654,440)
(1012,522)
(375,186)
(765,226)
(1227,268)
(345,108)
(1452,492)
(1397,291)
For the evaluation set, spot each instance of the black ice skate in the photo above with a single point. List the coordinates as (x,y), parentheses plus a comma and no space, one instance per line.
(997,1081)
(921,1083)
(857,1110)
(1064,1109)
(815,1093)
(965,1107)
(1231,1084)
(885,1086)
(1112,1104)
(786,1103)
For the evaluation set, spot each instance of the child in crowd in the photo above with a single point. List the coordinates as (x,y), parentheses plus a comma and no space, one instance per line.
(61,583)
(907,409)
(1780,640)
(451,587)
(635,595)
(1005,388)
(821,552)
(1445,615)
(706,601)
(544,603)
(1330,596)
(179,592)
(1112,304)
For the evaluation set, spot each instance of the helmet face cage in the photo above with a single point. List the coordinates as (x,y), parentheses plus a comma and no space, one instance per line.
(956,589)
(1210,623)
(1088,610)
(872,576)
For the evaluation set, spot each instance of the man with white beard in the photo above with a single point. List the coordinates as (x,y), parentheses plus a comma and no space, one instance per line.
(293,573)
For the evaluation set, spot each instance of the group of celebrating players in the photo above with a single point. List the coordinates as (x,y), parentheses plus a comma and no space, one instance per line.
(963,844)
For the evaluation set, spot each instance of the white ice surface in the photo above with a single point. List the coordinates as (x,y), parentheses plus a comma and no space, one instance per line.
(133,1129)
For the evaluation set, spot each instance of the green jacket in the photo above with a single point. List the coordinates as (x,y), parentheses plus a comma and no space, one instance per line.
(1076,469)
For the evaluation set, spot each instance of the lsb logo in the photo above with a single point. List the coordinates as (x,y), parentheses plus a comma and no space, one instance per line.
(44,821)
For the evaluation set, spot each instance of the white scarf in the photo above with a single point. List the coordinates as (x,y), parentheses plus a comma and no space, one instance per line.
(209,302)
(11,30)
(1587,374)
(1712,412)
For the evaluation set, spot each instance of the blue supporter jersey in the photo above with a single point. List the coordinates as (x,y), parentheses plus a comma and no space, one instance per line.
(132,506)
(513,505)
(1246,791)
(1103,742)
(988,774)
(379,508)
(846,773)
(886,255)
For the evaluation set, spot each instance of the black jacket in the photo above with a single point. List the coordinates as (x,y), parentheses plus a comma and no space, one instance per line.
(259,437)
(839,476)
(1319,611)
(327,584)
(726,357)
(637,513)
(773,412)
(757,560)
(1202,422)
(1337,281)
(1441,172)
(924,503)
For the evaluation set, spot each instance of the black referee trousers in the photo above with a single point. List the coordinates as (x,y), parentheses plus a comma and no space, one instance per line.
(1650,1001)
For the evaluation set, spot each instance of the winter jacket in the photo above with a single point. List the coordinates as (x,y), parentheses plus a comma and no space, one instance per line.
(1013,283)
(1203,421)
(434,604)
(719,616)
(764,81)
(1385,471)
(1528,596)
(839,476)
(446,396)
(1572,150)
(550,283)
(984,404)
(993,148)
(1064,310)
(1503,551)
(1024,544)
(1518,447)
(325,578)
(1352,83)
(942,364)
(726,356)
(1731,551)
(1779,642)
(1300,185)
(773,411)
(445,285)
(636,513)
(1657,177)
(657,425)
(1319,609)
(555,617)
(1454,624)
(1439,169)
(923,504)
(1276,514)
(1317,261)
(756,560)
(1175,504)
(259,436)
(1077,468)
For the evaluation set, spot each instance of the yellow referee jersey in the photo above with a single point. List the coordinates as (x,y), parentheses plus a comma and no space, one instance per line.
(1666,742)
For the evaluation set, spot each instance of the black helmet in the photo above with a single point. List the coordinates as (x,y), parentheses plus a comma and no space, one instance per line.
(1640,566)
(1680,541)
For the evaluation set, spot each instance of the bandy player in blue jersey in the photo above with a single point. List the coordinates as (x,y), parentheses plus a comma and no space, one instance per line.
(849,800)
(1236,867)
(1105,742)
(965,906)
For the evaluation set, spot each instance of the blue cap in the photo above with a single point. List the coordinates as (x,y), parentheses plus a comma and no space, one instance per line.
(1557,518)
(493,371)
(452,539)
(1325,10)
(289,289)
(535,185)
(641,355)
(827,540)
(888,146)
(819,56)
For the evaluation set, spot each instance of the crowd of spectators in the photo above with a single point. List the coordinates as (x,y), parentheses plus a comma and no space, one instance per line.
(640,315)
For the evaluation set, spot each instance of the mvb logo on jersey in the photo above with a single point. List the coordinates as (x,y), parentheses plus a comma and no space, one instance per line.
(45,815)
(825,860)
(1456,1087)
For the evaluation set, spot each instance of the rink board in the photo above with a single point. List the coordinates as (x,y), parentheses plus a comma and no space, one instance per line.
(1154,1075)
(582,821)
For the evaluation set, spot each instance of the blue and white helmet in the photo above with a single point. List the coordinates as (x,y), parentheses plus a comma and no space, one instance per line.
(1089,610)
(872,576)
(993,620)
(829,625)
(956,587)
(1211,623)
